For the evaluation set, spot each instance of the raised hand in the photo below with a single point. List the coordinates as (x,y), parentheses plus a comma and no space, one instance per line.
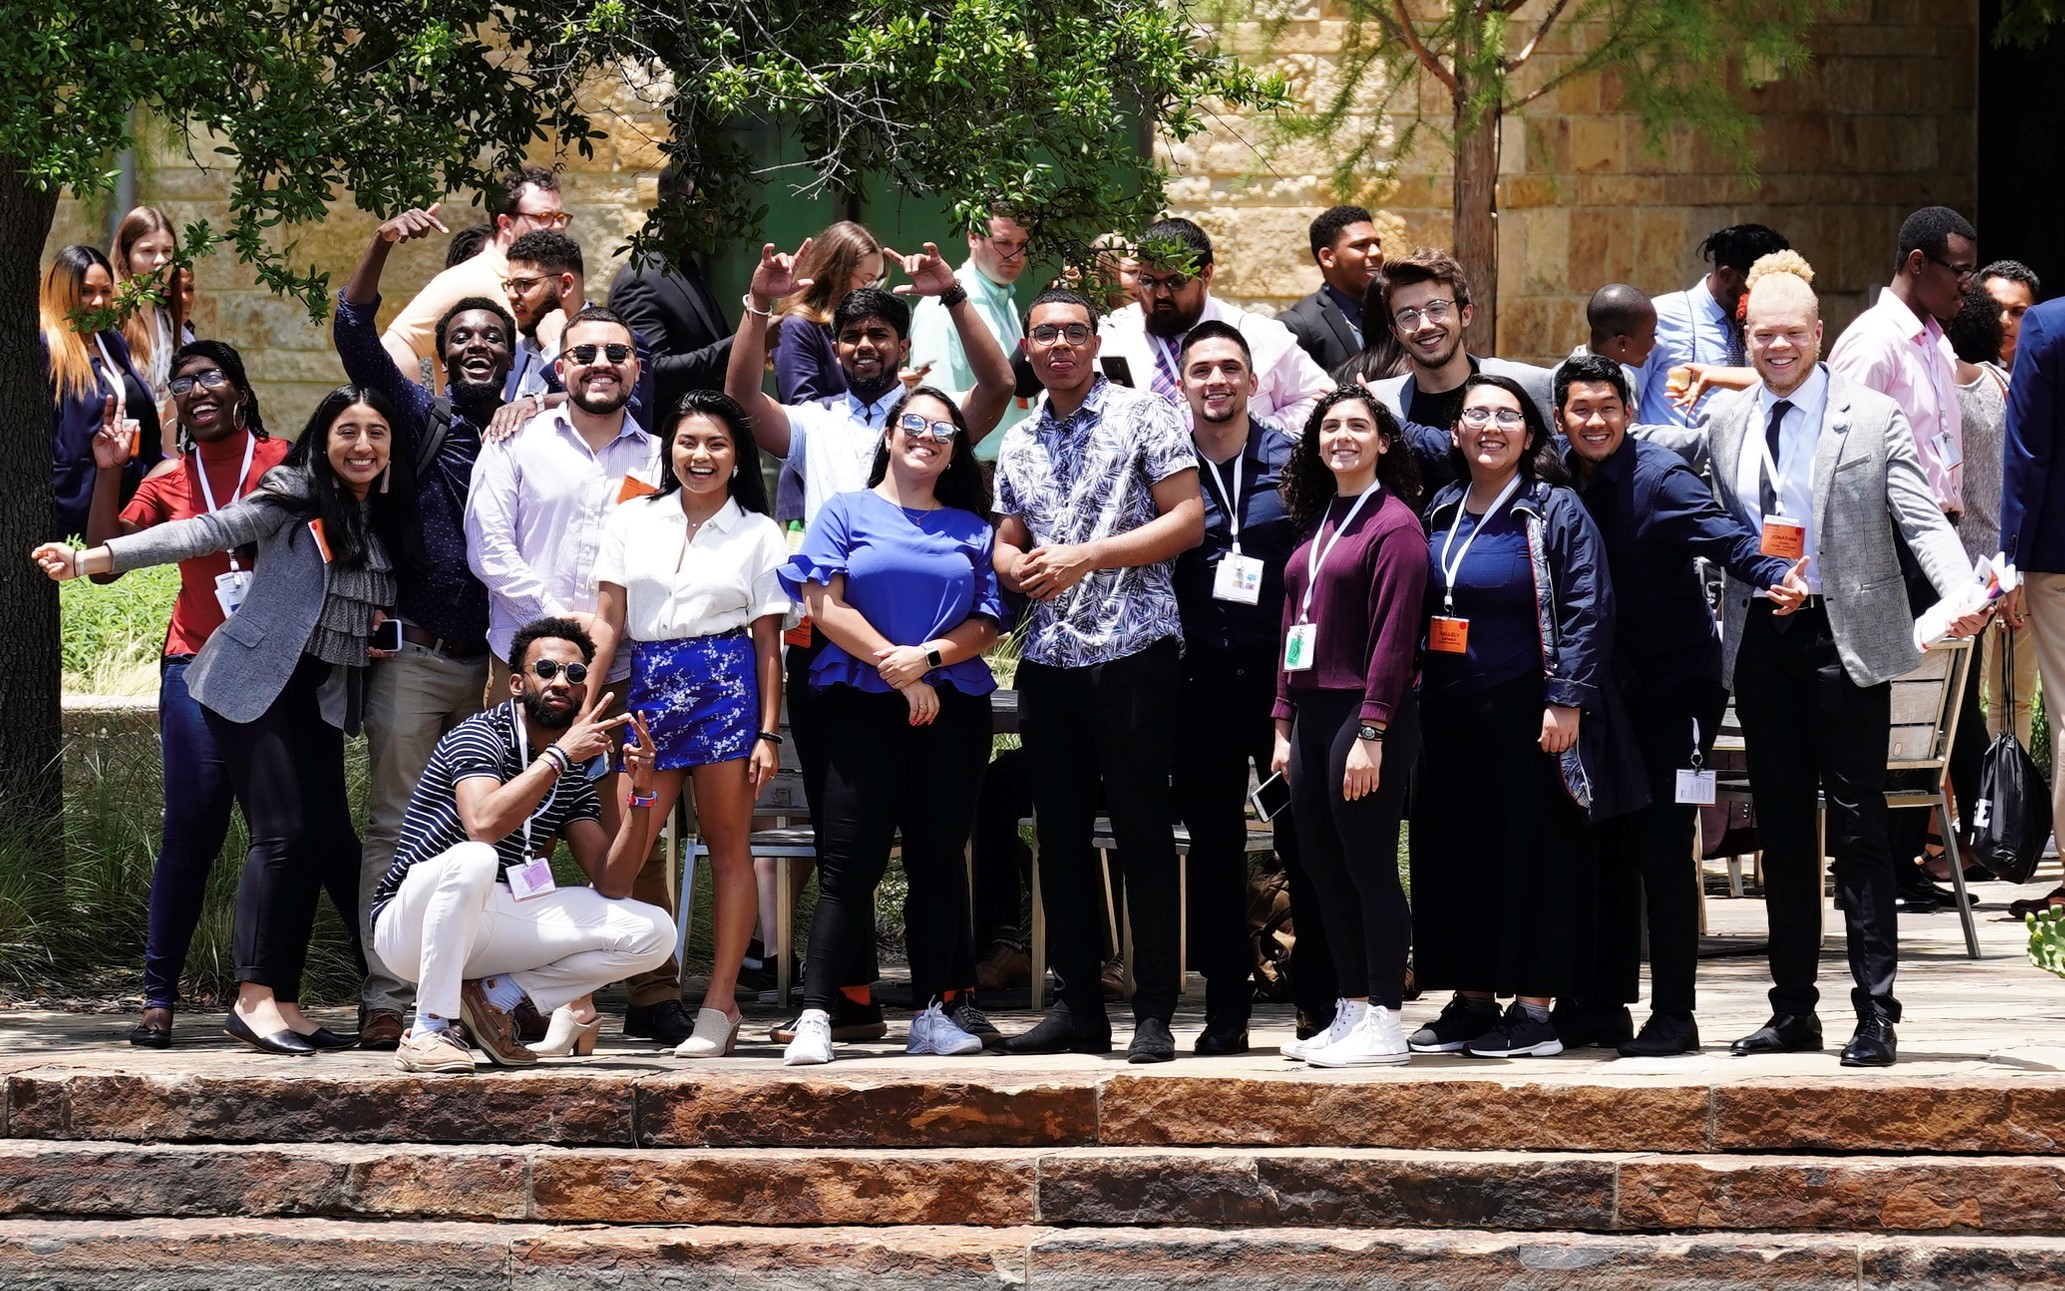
(590,732)
(416,222)
(928,271)
(640,754)
(775,276)
(111,441)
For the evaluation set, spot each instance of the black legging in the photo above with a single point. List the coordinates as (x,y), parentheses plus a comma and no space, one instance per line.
(1350,849)
(883,774)
(288,772)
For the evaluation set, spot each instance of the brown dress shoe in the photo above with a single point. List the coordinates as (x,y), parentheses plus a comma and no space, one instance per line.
(530,1024)
(382,1029)
(1004,967)
(492,1030)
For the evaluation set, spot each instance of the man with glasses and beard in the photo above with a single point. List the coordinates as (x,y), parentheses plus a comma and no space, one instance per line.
(998,252)
(533,529)
(469,911)
(437,679)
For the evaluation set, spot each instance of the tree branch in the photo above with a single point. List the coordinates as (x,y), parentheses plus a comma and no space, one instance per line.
(1404,23)
(1606,52)
(1527,50)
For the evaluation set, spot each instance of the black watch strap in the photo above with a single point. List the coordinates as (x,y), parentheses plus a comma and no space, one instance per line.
(932,659)
(1368,732)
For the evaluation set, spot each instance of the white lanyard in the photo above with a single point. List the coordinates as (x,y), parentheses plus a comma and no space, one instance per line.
(1450,568)
(236,490)
(1231,499)
(1316,554)
(120,387)
(1696,759)
(523,756)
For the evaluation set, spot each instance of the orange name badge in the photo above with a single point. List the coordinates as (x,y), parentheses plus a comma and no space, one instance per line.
(799,636)
(1783,538)
(633,487)
(1448,636)
(322,544)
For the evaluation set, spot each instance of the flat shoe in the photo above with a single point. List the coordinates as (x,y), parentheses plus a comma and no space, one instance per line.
(153,1030)
(325,1038)
(286,1042)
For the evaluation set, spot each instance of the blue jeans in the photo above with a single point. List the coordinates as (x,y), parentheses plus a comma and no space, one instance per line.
(197,806)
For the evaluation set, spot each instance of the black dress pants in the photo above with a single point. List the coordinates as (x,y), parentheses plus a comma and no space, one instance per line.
(1807,725)
(287,769)
(1645,858)
(808,728)
(1003,863)
(883,775)
(1111,722)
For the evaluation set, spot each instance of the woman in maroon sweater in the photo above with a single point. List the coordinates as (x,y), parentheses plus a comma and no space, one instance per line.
(1345,697)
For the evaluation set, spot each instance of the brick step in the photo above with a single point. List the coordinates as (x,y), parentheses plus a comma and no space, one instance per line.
(851,1106)
(1004,1187)
(262,1254)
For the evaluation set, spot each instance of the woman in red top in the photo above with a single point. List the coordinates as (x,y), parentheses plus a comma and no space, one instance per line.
(224,451)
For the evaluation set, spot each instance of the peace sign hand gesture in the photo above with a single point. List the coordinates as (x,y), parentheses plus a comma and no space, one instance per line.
(590,733)
(640,755)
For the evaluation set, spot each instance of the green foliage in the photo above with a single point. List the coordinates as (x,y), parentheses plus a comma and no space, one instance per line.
(2027,23)
(2047,940)
(114,633)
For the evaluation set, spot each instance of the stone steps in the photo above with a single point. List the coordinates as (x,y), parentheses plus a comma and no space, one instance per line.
(235,1254)
(1006,1188)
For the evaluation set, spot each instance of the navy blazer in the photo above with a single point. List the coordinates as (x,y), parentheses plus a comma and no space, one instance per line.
(2032,505)
(75,420)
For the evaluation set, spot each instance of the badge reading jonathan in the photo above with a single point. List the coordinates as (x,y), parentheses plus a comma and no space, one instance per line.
(1448,635)
(231,589)
(1696,786)
(1239,579)
(1783,538)
(1298,646)
(531,879)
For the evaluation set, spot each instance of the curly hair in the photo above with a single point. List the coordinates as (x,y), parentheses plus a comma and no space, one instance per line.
(1308,484)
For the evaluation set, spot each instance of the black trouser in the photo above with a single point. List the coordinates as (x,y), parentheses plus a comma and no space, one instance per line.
(808,728)
(1112,722)
(1805,725)
(1645,858)
(1351,848)
(882,774)
(1223,725)
(1003,863)
(288,772)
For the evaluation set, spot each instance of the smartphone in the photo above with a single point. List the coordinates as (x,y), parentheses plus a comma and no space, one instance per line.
(1270,797)
(388,636)
(1116,369)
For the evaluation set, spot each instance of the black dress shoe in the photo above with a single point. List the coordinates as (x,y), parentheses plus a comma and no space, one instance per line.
(1580,1025)
(325,1038)
(236,1028)
(1221,1041)
(1058,1032)
(1664,1035)
(1151,1042)
(1873,1045)
(667,1022)
(1784,1033)
(153,1030)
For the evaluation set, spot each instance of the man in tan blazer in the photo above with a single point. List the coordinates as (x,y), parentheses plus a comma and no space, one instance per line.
(1826,470)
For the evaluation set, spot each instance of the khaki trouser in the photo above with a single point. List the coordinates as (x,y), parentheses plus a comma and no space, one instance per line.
(2045,599)
(1995,683)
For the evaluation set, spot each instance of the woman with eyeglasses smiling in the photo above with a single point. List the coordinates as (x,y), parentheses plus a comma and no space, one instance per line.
(899,579)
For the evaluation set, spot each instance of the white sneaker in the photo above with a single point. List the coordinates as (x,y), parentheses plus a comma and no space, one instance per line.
(934,1032)
(1346,1014)
(813,1042)
(1375,1041)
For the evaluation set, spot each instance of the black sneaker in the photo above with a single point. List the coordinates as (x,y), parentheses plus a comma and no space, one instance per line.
(1664,1035)
(669,1022)
(1058,1032)
(975,1022)
(761,977)
(1516,1036)
(1461,1020)
(1151,1042)
(851,1024)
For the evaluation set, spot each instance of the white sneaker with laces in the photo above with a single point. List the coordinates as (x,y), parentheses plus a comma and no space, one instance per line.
(933,1032)
(1346,1014)
(1375,1041)
(813,1042)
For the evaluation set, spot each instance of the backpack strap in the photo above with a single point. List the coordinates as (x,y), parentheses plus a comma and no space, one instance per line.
(434,433)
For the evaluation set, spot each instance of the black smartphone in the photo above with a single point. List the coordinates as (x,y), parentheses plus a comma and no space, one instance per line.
(1270,797)
(1116,369)
(388,636)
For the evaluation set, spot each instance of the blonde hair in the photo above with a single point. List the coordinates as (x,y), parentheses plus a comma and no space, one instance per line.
(1791,262)
(138,328)
(63,291)
(830,263)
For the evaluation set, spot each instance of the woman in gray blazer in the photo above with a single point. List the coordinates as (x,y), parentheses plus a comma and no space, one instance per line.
(279,682)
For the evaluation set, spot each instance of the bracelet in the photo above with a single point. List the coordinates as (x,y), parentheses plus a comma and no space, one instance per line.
(637,799)
(78,562)
(770,736)
(1370,733)
(953,295)
(747,302)
(558,757)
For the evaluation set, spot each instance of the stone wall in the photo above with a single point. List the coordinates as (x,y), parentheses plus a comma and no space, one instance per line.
(1884,122)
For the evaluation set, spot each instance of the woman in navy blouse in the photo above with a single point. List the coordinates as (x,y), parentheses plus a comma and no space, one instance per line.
(92,381)
(899,579)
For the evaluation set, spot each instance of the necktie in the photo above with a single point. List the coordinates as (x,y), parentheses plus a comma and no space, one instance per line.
(1734,333)
(1164,381)
(1767,496)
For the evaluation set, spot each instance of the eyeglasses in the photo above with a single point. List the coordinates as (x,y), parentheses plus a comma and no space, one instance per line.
(1073,333)
(208,379)
(520,285)
(547,669)
(1434,311)
(1483,416)
(912,423)
(1150,285)
(615,352)
(1965,273)
(545,219)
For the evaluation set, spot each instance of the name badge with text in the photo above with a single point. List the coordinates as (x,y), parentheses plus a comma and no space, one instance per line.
(1949,451)
(1448,635)
(1783,538)
(1299,644)
(231,589)
(1239,579)
(1696,787)
(531,879)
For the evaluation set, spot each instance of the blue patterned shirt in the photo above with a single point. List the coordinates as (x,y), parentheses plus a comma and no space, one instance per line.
(1082,478)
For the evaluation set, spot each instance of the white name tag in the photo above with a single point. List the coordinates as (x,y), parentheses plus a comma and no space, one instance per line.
(531,879)
(1949,451)
(1696,787)
(1239,579)
(1298,646)
(231,589)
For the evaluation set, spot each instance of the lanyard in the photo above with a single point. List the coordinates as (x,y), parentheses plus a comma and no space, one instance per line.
(1696,759)
(1316,554)
(1230,499)
(236,490)
(523,755)
(1450,568)
(120,388)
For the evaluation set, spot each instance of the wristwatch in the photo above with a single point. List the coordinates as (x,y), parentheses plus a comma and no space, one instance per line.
(932,659)
(1368,732)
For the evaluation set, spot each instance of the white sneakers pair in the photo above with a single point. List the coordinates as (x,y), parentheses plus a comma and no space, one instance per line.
(932,1032)
(1362,1035)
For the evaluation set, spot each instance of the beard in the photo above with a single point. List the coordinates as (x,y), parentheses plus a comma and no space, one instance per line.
(463,391)
(600,404)
(543,717)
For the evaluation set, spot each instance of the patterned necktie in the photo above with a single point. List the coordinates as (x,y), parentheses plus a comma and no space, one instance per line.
(1767,496)
(1164,381)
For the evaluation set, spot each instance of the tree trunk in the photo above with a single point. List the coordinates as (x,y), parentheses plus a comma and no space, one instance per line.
(31,774)
(1476,214)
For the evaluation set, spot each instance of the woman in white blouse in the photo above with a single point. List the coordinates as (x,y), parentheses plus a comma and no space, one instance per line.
(687,576)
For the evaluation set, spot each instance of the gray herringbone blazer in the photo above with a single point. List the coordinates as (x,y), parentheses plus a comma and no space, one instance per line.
(1867,481)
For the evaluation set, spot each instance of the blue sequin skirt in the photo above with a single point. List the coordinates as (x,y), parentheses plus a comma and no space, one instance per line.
(700,697)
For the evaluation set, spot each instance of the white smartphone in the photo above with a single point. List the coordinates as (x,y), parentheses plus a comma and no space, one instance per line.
(1270,797)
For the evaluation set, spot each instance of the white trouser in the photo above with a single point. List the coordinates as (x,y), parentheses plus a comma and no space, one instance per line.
(452,922)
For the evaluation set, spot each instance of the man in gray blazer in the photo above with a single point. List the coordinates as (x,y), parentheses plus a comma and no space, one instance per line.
(1827,470)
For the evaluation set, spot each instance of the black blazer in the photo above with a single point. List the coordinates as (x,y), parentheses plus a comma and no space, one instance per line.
(675,313)
(1321,330)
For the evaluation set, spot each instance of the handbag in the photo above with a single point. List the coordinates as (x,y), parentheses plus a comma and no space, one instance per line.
(2011,818)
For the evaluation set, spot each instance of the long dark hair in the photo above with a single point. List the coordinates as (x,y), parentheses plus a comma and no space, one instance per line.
(747,487)
(223,355)
(1308,486)
(349,529)
(1539,459)
(1382,354)
(961,484)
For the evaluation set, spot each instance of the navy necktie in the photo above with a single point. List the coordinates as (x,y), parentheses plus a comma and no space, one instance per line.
(1767,497)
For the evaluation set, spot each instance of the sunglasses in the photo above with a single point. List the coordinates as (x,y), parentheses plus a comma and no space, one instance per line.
(615,351)
(547,669)
(210,379)
(912,423)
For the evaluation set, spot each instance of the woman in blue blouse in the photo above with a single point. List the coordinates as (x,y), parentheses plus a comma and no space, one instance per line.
(899,579)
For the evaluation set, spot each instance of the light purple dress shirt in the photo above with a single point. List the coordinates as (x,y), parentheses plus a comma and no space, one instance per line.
(1891,350)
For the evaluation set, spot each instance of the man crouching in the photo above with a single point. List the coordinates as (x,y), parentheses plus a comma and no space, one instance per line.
(468,911)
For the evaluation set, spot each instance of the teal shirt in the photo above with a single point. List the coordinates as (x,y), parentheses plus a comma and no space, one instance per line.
(934,341)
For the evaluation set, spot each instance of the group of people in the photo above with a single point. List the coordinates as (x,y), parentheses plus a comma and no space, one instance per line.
(1337,550)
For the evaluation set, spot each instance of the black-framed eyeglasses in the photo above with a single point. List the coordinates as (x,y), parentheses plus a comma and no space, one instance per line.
(520,284)
(547,669)
(912,423)
(615,352)
(1073,333)
(1434,311)
(207,378)
(1504,416)
(1965,273)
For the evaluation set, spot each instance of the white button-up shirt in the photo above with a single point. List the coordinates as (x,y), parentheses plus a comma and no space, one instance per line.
(534,519)
(832,445)
(677,587)
(1890,349)
(1290,382)
(1799,436)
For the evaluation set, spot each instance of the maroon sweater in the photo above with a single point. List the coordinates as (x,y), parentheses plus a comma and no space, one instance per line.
(1366,606)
